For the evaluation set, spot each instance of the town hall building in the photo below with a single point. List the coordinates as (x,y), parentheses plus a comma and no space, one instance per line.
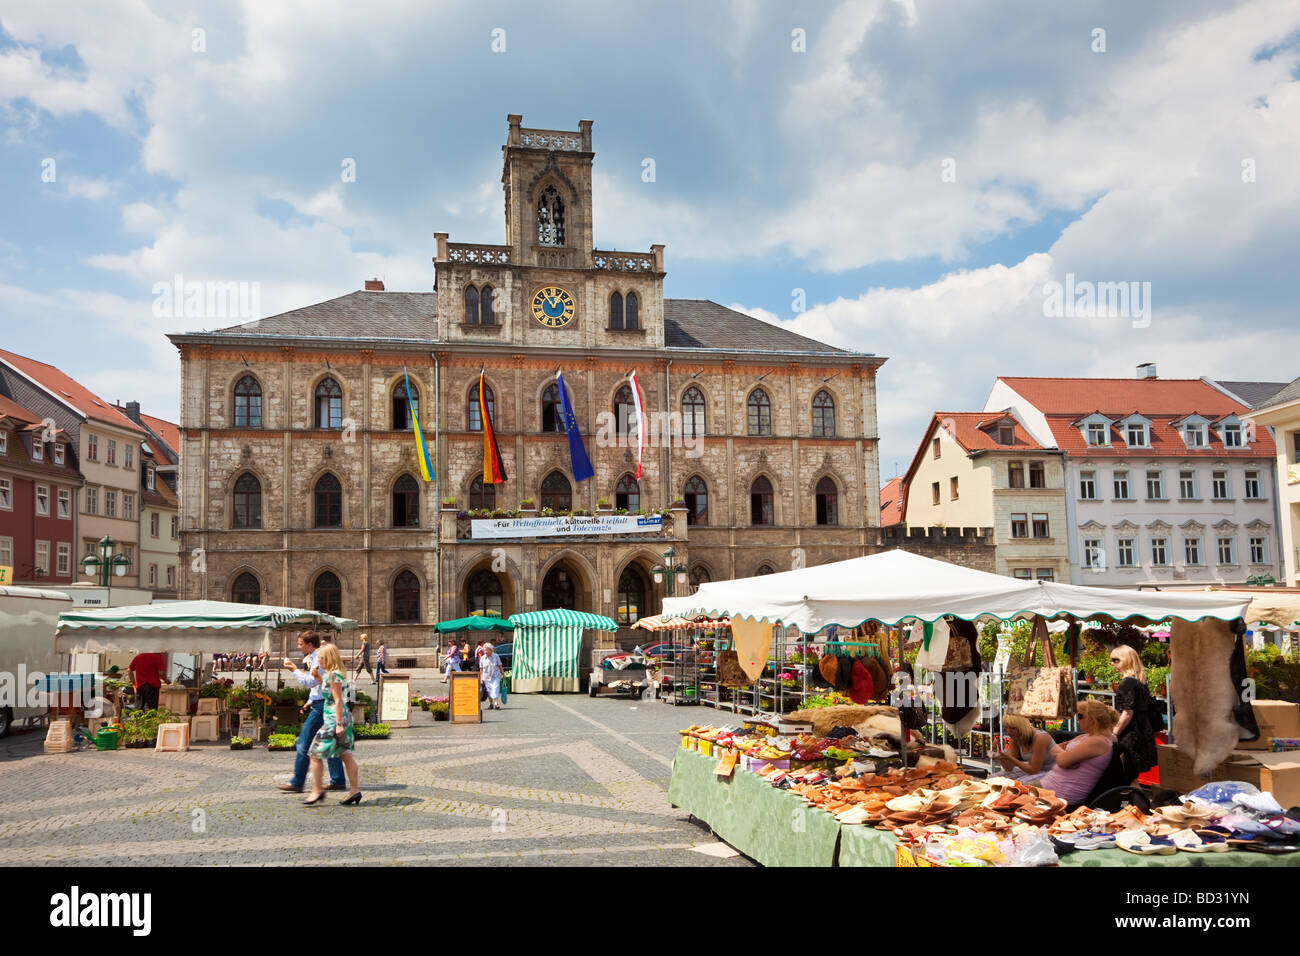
(301,481)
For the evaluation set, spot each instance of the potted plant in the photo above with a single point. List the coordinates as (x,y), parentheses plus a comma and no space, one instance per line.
(527,504)
(449,504)
(281,742)
(603,504)
(371,732)
(240,743)
(441,710)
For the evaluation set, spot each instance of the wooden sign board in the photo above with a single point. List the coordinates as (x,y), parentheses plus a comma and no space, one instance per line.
(466,708)
(6,575)
(395,700)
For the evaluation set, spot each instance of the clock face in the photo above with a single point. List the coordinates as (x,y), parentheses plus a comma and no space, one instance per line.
(553,306)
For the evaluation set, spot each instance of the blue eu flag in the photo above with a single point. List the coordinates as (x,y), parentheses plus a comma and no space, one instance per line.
(577,451)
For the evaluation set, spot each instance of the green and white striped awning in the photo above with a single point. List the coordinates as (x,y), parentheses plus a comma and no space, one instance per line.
(562,617)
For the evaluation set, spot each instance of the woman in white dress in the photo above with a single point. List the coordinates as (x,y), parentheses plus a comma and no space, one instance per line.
(489,669)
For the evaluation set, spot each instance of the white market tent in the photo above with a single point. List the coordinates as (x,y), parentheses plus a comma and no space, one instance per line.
(186,627)
(895,586)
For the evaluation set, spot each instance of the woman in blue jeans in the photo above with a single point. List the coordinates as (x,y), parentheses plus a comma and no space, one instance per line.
(313,716)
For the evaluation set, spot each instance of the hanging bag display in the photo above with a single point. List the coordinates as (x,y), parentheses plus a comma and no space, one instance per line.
(1045,692)
(730,673)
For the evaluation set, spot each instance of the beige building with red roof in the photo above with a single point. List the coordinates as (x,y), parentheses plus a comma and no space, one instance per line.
(985,469)
(1281,413)
(160,506)
(1165,480)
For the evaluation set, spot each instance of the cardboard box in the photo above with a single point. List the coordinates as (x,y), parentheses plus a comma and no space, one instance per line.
(1278,773)
(904,856)
(1278,744)
(1276,718)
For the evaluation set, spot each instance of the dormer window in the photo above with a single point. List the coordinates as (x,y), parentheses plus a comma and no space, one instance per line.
(38,448)
(1006,435)
(4,443)
(1232,436)
(1194,436)
(58,454)
(149,480)
(1096,433)
(1137,435)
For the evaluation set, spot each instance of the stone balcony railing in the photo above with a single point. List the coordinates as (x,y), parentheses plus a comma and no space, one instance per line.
(556,139)
(624,261)
(477,254)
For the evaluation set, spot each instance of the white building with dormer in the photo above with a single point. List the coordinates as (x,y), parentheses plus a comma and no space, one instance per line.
(1165,484)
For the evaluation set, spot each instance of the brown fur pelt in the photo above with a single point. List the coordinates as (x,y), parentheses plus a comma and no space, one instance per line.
(1203,695)
(824,719)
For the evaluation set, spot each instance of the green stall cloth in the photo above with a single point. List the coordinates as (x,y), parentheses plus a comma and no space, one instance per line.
(473,623)
(768,825)
(547,647)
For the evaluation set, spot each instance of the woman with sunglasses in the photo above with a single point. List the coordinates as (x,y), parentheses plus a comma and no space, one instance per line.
(1135,738)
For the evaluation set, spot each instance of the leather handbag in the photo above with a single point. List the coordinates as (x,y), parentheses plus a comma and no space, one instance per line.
(1045,692)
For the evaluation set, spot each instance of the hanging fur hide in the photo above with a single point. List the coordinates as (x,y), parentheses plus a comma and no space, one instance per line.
(1204,695)
(958,690)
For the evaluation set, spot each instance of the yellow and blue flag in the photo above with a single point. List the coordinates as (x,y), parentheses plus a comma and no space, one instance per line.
(421,449)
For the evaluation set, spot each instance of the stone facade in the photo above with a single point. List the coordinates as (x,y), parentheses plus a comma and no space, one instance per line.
(363,342)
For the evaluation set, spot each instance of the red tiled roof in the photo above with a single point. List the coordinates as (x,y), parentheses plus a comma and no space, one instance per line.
(1166,441)
(11,409)
(965,428)
(891,502)
(1117,397)
(67,389)
(167,431)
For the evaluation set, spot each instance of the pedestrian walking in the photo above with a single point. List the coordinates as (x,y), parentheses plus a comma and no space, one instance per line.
(464,657)
(334,741)
(451,662)
(309,676)
(362,660)
(381,661)
(489,668)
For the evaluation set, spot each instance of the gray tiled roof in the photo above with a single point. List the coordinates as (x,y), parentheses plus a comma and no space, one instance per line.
(357,315)
(701,324)
(1288,393)
(1253,393)
(688,323)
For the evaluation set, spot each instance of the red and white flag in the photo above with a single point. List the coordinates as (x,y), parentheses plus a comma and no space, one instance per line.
(640,423)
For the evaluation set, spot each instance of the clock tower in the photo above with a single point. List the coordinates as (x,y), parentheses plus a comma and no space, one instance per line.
(549,285)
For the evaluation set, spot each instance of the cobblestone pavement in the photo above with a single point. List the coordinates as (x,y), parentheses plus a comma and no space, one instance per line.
(548,780)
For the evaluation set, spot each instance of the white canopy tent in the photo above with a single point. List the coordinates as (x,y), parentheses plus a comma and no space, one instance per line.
(186,627)
(895,586)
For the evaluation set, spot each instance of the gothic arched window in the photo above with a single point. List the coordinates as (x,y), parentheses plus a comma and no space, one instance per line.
(624,411)
(473,413)
(552,411)
(557,493)
(760,502)
(401,410)
(406,503)
(828,511)
(633,312)
(697,501)
(693,413)
(615,311)
(483,593)
(329,404)
(248,403)
(248,502)
(246,590)
(550,218)
(327,594)
(631,596)
(823,415)
(482,496)
(471,305)
(760,413)
(328,502)
(627,493)
(406,599)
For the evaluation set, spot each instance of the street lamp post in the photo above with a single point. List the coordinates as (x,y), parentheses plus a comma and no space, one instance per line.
(105,564)
(667,572)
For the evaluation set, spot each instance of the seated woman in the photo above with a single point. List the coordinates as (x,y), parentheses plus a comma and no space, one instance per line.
(1030,752)
(1081,761)
(1135,737)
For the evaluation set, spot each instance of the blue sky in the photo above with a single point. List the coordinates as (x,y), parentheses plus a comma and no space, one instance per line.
(777,169)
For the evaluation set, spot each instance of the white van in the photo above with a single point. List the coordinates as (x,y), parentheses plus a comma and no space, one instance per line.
(28,618)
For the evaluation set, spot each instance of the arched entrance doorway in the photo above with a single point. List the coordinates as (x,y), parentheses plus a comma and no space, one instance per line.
(560,588)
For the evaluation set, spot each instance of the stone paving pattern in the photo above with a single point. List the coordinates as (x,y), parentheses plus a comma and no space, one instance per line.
(548,780)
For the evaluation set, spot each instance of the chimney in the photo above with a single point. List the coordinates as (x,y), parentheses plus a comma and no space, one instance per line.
(374,285)
(132,410)
(1146,370)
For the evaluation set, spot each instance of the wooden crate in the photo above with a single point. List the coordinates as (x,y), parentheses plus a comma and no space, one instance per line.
(205,727)
(211,705)
(173,738)
(59,738)
(176,701)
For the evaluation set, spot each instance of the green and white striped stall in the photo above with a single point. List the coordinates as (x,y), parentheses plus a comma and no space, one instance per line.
(547,648)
